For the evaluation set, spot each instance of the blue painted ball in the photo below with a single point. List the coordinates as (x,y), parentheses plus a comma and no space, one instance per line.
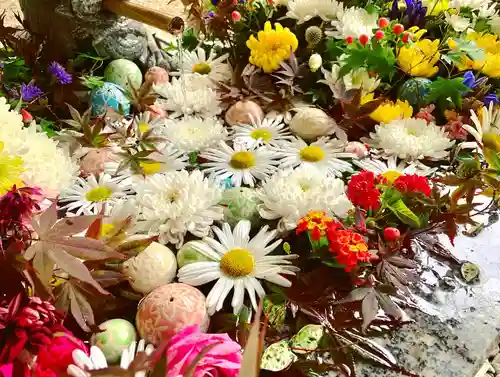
(414,91)
(109,96)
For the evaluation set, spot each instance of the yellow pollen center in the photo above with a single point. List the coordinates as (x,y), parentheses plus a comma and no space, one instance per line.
(242,160)
(143,127)
(304,187)
(150,167)
(391,175)
(237,263)
(106,229)
(262,134)
(312,153)
(202,68)
(99,194)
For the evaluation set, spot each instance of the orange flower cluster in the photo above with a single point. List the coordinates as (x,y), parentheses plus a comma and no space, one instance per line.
(317,223)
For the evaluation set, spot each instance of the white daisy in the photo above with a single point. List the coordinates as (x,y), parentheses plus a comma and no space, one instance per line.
(266,131)
(323,155)
(89,196)
(489,123)
(193,134)
(390,169)
(291,193)
(236,261)
(353,22)
(240,164)
(411,138)
(305,10)
(212,70)
(175,203)
(458,23)
(187,95)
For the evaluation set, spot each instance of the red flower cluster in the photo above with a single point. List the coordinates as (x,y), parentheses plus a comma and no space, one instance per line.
(362,191)
(413,183)
(349,248)
(18,204)
(317,223)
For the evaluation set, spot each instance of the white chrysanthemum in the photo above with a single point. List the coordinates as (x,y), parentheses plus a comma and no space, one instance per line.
(353,22)
(458,23)
(390,169)
(240,164)
(175,203)
(472,4)
(489,123)
(305,10)
(39,153)
(209,69)
(323,155)
(411,138)
(259,132)
(291,194)
(357,79)
(193,134)
(236,261)
(90,196)
(188,95)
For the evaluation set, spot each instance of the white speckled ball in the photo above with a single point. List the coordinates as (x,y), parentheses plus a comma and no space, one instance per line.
(123,72)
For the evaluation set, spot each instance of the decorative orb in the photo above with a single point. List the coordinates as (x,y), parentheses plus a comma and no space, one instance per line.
(156,75)
(151,268)
(240,203)
(124,73)
(187,254)
(93,162)
(117,336)
(168,309)
(243,111)
(414,91)
(310,123)
(109,96)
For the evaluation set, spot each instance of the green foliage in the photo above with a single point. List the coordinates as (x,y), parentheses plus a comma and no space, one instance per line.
(404,214)
(92,82)
(189,39)
(442,91)
(48,127)
(15,70)
(334,48)
(380,59)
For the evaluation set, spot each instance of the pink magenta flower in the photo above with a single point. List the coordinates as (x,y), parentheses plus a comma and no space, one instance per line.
(223,360)
(59,353)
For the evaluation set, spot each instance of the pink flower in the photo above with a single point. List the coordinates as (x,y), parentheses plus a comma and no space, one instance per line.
(357,148)
(456,131)
(223,360)
(58,354)
(6,370)
(425,113)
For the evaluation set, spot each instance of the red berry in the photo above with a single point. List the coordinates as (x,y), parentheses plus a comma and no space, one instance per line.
(236,16)
(235,2)
(27,117)
(383,22)
(363,39)
(379,35)
(391,234)
(349,39)
(398,29)
(407,37)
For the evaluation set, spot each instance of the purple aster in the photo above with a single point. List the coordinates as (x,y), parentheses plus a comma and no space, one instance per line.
(414,13)
(29,92)
(59,72)
(469,80)
(491,98)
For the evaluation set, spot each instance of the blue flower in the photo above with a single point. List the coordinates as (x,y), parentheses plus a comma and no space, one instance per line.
(29,92)
(414,14)
(58,71)
(211,14)
(491,98)
(469,80)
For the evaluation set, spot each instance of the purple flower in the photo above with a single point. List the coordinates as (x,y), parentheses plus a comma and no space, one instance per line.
(414,13)
(29,92)
(491,98)
(59,72)
(469,80)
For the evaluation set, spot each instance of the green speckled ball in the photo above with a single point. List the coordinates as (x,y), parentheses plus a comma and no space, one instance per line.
(123,72)
(117,336)
(240,203)
(414,91)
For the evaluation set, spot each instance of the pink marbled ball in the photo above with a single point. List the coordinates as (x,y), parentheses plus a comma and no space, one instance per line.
(168,309)
(156,112)
(93,162)
(156,75)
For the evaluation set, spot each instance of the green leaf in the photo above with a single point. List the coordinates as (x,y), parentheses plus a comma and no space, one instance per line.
(380,59)
(389,196)
(404,214)
(48,127)
(443,89)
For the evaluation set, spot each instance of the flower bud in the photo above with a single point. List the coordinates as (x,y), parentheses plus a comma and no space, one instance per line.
(315,62)
(27,117)
(313,35)
(236,16)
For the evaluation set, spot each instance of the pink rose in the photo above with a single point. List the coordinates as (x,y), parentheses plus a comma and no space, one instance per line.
(58,355)
(223,360)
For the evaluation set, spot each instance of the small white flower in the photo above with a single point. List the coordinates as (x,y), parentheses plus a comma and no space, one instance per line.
(357,79)
(237,262)
(323,155)
(240,164)
(411,139)
(494,22)
(391,169)
(89,196)
(315,62)
(488,12)
(472,4)
(259,132)
(305,10)
(490,122)
(458,23)
(353,22)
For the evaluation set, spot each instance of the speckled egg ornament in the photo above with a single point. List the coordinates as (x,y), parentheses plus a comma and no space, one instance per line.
(123,72)
(168,309)
(109,96)
(414,91)
(93,162)
(156,75)
(117,336)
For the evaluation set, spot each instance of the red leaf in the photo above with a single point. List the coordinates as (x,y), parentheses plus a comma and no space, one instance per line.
(94,230)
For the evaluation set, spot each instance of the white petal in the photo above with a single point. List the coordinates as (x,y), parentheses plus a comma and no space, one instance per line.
(251,292)
(98,358)
(228,285)
(238,296)
(82,360)
(74,371)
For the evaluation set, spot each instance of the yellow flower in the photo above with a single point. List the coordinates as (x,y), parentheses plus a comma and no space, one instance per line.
(420,58)
(10,170)
(417,32)
(271,47)
(490,65)
(434,7)
(389,111)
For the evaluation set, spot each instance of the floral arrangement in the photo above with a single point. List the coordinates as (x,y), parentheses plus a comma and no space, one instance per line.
(287,140)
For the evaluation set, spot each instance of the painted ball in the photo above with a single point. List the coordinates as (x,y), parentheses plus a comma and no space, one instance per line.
(109,96)
(117,336)
(93,162)
(414,91)
(156,75)
(124,73)
(168,309)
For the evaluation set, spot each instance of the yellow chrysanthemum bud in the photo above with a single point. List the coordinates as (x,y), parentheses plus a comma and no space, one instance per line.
(389,111)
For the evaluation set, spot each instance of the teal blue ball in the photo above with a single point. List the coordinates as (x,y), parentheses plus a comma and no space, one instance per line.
(414,91)
(109,96)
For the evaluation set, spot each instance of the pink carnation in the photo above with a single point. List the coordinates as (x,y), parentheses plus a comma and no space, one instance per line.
(58,355)
(223,360)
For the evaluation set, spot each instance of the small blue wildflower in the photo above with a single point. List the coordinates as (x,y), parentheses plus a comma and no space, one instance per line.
(59,72)
(29,92)
(469,80)
(211,14)
(491,98)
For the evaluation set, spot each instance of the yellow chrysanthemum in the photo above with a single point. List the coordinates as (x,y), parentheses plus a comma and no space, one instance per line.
(271,47)
(420,58)
(389,111)
(490,65)
(10,171)
(417,32)
(434,7)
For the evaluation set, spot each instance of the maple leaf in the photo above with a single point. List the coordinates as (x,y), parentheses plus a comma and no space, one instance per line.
(57,243)
(71,299)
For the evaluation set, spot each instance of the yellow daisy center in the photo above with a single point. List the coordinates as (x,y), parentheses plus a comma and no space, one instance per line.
(106,229)
(202,68)
(10,171)
(99,194)
(312,153)
(143,127)
(391,175)
(237,263)
(150,167)
(242,160)
(262,134)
